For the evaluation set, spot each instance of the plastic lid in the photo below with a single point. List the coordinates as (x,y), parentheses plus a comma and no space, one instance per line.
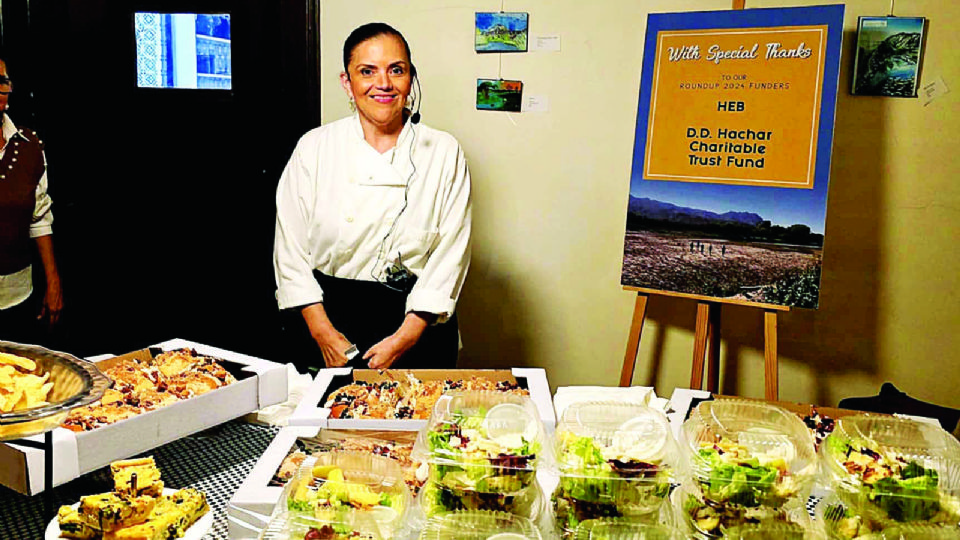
(751,443)
(629,439)
(889,459)
(437,498)
(616,529)
(346,526)
(350,481)
(479,525)
(479,427)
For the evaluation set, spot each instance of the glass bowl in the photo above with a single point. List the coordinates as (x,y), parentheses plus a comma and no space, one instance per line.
(76,383)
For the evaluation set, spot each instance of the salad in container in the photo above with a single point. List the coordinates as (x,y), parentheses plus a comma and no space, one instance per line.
(615,460)
(885,472)
(750,462)
(624,529)
(479,525)
(340,485)
(483,449)
(295,526)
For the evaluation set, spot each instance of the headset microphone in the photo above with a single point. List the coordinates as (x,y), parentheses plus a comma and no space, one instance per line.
(415,117)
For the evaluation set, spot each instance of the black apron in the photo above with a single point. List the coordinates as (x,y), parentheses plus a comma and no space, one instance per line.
(366,312)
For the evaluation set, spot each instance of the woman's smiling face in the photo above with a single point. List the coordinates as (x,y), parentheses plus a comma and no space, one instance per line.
(378,80)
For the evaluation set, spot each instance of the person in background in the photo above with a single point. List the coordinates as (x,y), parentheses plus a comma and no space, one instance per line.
(372,240)
(26,220)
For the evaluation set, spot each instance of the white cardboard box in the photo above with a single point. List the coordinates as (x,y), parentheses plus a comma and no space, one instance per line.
(254,501)
(311,412)
(262,383)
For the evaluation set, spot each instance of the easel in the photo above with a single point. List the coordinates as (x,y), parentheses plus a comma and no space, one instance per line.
(707,340)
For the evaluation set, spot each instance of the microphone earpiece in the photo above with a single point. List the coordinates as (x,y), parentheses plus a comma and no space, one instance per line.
(415,117)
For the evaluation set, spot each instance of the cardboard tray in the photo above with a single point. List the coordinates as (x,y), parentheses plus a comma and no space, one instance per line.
(312,413)
(255,500)
(260,383)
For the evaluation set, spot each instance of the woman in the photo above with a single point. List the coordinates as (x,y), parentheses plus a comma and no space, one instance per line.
(25,219)
(373,220)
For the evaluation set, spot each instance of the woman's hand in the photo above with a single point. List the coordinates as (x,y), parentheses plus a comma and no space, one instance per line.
(52,304)
(384,354)
(332,343)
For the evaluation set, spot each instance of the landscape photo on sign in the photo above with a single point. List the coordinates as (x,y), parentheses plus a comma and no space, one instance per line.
(728,190)
(499,95)
(888,56)
(500,32)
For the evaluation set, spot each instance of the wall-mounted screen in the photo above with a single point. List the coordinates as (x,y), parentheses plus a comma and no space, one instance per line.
(183,50)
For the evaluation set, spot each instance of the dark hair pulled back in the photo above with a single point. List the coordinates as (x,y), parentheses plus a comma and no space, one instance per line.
(370,31)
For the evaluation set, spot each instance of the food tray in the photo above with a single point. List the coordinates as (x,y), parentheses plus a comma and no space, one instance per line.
(76,383)
(312,411)
(259,383)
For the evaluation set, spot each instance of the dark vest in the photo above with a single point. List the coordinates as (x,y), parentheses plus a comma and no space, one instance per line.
(20,171)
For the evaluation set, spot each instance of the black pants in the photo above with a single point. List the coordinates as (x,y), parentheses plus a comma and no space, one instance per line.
(366,312)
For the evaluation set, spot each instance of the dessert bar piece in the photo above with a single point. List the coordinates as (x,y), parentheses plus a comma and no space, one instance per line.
(171,517)
(109,511)
(136,477)
(72,526)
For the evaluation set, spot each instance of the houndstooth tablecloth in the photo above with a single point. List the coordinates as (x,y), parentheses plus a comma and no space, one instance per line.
(215,461)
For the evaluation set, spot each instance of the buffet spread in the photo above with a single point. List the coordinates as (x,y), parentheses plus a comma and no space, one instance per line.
(465,454)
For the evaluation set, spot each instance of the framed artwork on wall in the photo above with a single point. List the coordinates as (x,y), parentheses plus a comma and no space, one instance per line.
(499,32)
(888,56)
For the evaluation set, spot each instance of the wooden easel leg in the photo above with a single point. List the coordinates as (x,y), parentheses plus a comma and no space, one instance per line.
(633,343)
(713,350)
(699,345)
(771,368)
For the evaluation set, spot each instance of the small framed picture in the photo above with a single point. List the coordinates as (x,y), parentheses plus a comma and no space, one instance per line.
(499,32)
(888,56)
(499,95)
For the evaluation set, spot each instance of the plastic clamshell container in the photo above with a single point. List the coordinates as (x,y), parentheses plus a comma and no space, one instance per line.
(774,531)
(436,499)
(705,519)
(749,453)
(614,459)
(76,383)
(372,485)
(620,529)
(488,442)
(295,526)
(891,470)
(479,525)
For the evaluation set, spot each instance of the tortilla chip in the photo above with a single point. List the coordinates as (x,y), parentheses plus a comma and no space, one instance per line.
(25,364)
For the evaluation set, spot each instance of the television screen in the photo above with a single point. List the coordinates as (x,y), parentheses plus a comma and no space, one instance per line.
(183,50)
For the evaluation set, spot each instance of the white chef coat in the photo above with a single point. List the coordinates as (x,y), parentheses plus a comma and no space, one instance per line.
(17,287)
(337,202)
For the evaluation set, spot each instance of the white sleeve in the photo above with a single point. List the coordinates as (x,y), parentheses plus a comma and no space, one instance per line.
(42,223)
(439,284)
(292,257)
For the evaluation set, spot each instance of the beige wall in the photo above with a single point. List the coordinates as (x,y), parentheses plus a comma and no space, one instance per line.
(550,196)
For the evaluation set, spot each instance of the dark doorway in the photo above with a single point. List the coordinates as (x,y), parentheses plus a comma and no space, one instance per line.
(163,198)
